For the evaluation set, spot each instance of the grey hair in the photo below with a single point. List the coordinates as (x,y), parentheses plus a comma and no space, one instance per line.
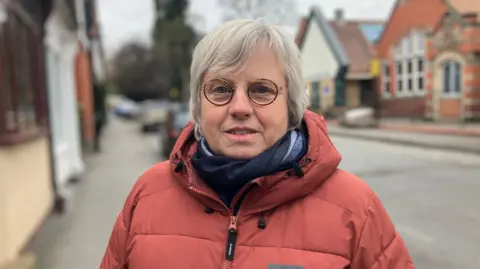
(228,48)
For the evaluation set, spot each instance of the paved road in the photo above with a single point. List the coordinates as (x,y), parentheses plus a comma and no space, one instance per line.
(432,196)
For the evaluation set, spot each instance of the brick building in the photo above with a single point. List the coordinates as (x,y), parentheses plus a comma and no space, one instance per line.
(429,54)
(453,53)
(401,51)
(336,61)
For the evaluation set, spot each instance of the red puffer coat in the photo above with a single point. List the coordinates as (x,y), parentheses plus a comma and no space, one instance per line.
(315,217)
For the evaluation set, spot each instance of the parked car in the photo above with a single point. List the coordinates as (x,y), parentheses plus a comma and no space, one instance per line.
(153,115)
(125,108)
(176,121)
(362,117)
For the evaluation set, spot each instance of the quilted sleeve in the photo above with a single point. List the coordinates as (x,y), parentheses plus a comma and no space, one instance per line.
(114,257)
(116,254)
(380,246)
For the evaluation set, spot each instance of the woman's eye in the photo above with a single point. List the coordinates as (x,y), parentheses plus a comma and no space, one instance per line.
(221,89)
(260,89)
(263,90)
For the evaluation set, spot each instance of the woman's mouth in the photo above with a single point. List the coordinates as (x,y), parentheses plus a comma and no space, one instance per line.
(240,134)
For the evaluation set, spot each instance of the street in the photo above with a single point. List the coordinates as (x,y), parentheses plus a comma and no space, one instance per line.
(432,196)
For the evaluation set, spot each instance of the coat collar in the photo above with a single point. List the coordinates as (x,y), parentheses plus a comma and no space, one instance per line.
(321,160)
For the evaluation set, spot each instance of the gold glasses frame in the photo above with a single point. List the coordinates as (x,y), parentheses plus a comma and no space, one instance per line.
(229,85)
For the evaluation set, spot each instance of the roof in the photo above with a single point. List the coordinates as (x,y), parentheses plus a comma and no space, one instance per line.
(397,26)
(301,30)
(356,45)
(334,43)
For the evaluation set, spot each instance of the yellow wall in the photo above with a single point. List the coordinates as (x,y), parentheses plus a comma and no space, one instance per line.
(26,195)
(375,67)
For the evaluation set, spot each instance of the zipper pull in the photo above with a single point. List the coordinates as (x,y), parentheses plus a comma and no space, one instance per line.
(232,240)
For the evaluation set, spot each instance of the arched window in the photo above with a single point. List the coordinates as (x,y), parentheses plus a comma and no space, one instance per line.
(452,77)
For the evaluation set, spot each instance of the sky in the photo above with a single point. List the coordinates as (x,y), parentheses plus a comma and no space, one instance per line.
(125,20)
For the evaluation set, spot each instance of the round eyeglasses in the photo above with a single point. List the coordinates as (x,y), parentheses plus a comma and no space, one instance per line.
(220,92)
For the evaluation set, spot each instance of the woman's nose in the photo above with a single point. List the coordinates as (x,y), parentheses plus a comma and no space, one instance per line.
(240,106)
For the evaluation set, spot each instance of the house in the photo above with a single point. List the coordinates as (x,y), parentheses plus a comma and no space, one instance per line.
(26,194)
(402,52)
(97,54)
(337,58)
(75,65)
(357,37)
(98,68)
(61,47)
(453,53)
(83,78)
(91,72)
(46,71)
(324,61)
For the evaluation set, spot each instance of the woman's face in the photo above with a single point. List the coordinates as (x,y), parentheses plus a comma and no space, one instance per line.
(242,129)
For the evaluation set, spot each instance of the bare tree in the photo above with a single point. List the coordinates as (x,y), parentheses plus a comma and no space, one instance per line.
(141,72)
(281,12)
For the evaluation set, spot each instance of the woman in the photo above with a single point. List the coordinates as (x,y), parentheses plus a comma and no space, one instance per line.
(253,181)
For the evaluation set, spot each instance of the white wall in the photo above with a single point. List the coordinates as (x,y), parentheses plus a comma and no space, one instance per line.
(318,61)
(61,48)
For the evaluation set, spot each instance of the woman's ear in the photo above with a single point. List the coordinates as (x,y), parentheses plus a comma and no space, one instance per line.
(198,132)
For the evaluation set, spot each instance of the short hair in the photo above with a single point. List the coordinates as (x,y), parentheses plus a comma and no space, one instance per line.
(228,47)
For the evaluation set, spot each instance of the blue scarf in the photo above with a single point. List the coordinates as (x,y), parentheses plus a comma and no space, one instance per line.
(226,176)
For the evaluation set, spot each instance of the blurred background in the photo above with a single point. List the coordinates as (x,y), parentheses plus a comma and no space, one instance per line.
(94,92)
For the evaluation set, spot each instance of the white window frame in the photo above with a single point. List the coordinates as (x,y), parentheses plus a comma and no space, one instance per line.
(419,54)
(409,76)
(408,43)
(410,48)
(386,83)
(420,75)
(399,50)
(456,91)
(420,43)
(400,78)
(399,55)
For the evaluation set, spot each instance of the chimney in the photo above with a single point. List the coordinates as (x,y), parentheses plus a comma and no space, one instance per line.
(339,16)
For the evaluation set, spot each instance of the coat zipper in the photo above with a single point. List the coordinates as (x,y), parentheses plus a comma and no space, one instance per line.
(232,229)
(231,243)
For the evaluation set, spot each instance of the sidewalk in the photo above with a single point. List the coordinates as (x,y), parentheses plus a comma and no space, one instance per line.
(78,239)
(464,129)
(434,138)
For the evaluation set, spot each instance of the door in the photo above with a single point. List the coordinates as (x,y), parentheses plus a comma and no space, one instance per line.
(315,104)
(340,92)
(450,103)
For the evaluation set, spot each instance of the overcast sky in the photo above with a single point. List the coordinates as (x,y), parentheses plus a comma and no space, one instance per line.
(123,20)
